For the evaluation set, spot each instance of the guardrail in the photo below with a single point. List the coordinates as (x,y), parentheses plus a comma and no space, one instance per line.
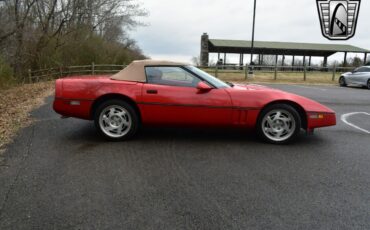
(242,72)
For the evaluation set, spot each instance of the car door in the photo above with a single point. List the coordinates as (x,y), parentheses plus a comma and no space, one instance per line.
(350,78)
(170,96)
(361,76)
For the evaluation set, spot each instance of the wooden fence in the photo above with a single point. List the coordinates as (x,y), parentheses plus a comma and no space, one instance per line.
(244,71)
(249,71)
(59,72)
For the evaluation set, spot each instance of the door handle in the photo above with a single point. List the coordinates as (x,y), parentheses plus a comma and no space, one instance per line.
(151,91)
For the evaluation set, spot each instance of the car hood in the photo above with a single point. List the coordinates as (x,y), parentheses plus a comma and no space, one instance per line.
(258,96)
(347,73)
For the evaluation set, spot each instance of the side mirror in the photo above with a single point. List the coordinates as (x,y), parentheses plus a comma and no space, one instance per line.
(203,87)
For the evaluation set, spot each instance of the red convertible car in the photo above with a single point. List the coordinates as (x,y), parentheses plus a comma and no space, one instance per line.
(166,93)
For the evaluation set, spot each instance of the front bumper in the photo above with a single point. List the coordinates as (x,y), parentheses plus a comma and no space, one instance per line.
(320,119)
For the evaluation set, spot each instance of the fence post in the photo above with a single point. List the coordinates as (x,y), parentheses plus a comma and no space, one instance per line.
(93,68)
(304,72)
(276,69)
(334,71)
(246,71)
(29,76)
(275,73)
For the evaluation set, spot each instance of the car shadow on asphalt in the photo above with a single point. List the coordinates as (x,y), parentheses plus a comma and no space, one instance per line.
(86,132)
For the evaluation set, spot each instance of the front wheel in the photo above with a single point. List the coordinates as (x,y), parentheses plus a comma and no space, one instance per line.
(116,120)
(279,124)
(342,82)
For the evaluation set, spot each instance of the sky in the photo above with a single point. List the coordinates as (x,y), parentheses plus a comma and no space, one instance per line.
(174,27)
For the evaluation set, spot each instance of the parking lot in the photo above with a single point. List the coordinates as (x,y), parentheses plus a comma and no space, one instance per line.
(59,174)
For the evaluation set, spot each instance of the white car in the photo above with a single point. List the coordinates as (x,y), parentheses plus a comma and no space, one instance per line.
(360,77)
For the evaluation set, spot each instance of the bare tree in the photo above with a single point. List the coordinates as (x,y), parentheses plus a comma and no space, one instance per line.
(29,28)
(196,60)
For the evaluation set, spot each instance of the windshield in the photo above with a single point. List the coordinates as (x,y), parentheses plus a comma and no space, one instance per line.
(209,78)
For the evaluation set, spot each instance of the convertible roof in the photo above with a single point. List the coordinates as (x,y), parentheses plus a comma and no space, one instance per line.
(136,70)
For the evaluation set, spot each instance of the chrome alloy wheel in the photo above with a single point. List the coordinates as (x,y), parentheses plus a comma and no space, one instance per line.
(278,125)
(115,121)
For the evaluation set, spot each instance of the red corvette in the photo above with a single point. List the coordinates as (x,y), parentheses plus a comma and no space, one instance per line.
(167,93)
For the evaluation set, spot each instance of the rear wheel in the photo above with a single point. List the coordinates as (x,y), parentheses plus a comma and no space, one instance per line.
(342,82)
(116,120)
(279,124)
(368,84)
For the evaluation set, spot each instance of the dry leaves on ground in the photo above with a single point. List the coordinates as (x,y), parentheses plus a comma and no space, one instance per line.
(16,104)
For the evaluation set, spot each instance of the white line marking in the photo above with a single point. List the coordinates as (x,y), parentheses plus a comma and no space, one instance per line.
(347,115)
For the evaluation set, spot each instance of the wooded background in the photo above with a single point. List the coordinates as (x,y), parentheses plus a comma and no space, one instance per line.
(36,34)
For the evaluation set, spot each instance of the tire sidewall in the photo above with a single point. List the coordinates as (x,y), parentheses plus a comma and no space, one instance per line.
(291,110)
(130,110)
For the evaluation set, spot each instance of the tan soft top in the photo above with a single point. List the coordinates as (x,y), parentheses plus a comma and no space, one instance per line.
(136,70)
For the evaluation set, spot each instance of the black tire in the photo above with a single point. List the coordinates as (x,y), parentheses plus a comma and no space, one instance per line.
(131,115)
(368,84)
(342,82)
(294,133)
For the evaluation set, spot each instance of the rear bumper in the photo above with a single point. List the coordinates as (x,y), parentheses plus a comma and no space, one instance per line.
(73,108)
(318,119)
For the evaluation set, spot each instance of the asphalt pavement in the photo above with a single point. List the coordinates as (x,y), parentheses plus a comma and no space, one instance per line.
(59,174)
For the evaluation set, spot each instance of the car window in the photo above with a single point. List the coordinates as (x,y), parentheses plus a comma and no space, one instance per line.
(362,69)
(175,76)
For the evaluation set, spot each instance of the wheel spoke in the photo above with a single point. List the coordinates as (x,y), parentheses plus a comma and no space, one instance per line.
(285,119)
(122,114)
(111,112)
(269,121)
(269,130)
(106,119)
(110,128)
(125,122)
(279,133)
(277,116)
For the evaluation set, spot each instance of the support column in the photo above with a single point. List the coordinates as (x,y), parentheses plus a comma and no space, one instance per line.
(309,61)
(365,59)
(204,50)
(224,58)
(304,60)
(259,59)
(325,61)
(218,57)
(293,60)
(241,61)
(283,61)
(345,59)
(262,59)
